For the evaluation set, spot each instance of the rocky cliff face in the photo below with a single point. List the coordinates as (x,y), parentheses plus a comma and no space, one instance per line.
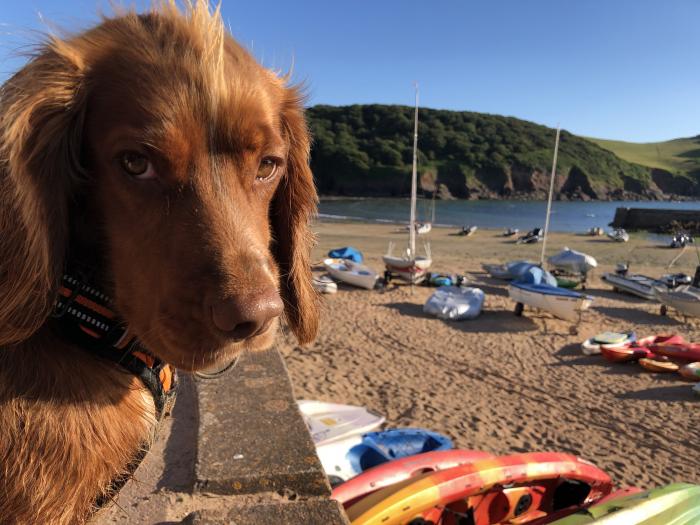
(518,182)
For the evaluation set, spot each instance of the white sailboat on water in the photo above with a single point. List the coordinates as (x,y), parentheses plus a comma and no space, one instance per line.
(409,266)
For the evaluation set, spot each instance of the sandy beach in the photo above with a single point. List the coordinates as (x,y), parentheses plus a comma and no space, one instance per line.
(502,383)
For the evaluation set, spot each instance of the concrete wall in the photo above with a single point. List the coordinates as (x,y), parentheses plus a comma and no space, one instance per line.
(236,451)
(650,219)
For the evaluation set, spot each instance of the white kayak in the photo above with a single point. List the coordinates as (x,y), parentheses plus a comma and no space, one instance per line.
(324,284)
(592,345)
(332,422)
(352,273)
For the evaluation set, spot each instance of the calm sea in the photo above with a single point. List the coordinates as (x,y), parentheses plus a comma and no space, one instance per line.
(525,215)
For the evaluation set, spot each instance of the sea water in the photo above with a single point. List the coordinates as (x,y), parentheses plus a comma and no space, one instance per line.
(567,216)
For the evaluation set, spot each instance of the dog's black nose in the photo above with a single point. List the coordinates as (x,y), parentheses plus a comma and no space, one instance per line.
(245,315)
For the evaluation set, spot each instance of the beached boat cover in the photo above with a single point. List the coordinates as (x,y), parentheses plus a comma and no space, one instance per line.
(572,261)
(536,275)
(454,303)
(380,447)
(347,252)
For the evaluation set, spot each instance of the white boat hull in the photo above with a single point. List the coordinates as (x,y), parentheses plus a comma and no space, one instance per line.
(424,228)
(685,299)
(411,270)
(351,273)
(333,422)
(324,284)
(568,308)
(635,284)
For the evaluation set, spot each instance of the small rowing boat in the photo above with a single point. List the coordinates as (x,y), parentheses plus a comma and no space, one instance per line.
(536,288)
(324,284)
(619,235)
(351,273)
(633,283)
(684,299)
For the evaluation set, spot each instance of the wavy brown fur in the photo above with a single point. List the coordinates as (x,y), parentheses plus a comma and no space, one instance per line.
(175,85)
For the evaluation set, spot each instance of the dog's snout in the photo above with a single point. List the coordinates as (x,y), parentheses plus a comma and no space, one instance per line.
(246,315)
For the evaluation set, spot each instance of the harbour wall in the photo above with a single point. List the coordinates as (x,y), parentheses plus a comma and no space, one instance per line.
(653,219)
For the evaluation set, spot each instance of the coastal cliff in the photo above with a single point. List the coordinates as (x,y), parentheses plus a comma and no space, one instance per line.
(366,150)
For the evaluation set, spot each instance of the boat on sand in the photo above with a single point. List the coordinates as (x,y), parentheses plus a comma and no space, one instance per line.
(351,273)
(632,283)
(683,299)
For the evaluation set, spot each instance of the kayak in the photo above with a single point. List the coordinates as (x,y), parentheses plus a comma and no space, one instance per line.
(675,504)
(658,365)
(681,351)
(399,470)
(592,345)
(624,354)
(330,422)
(346,459)
(635,350)
(495,490)
(691,371)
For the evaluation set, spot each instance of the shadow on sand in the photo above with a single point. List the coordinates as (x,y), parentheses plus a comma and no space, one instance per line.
(489,321)
(675,392)
(640,316)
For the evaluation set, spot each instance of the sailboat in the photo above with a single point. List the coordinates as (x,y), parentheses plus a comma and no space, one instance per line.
(534,290)
(425,227)
(409,266)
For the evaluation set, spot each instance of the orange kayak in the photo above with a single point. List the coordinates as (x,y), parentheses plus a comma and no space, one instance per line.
(515,489)
(657,365)
(399,470)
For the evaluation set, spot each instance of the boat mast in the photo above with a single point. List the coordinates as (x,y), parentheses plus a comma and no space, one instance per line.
(549,198)
(414,189)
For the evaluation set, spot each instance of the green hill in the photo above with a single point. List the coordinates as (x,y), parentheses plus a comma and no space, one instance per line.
(366,150)
(679,156)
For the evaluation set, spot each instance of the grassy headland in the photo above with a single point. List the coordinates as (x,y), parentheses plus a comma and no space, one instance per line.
(366,150)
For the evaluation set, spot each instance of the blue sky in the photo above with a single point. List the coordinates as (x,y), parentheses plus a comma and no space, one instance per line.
(620,69)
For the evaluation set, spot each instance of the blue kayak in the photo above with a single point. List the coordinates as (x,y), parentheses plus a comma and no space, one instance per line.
(380,447)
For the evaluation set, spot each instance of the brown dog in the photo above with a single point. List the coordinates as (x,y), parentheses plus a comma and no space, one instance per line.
(153,150)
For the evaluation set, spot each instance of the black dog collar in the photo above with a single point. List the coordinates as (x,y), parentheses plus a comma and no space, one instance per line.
(84,315)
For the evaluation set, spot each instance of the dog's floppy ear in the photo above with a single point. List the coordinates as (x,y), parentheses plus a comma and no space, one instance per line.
(293,207)
(41,113)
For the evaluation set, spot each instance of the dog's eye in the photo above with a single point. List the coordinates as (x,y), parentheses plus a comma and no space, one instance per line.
(136,165)
(268,169)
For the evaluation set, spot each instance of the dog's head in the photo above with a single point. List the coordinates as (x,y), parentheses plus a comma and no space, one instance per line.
(155,148)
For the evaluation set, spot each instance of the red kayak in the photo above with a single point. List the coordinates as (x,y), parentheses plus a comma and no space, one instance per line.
(636,350)
(683,351)
(508,489)
(398,470)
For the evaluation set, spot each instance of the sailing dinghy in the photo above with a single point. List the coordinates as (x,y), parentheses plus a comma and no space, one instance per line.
(408,265)
(538,288)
